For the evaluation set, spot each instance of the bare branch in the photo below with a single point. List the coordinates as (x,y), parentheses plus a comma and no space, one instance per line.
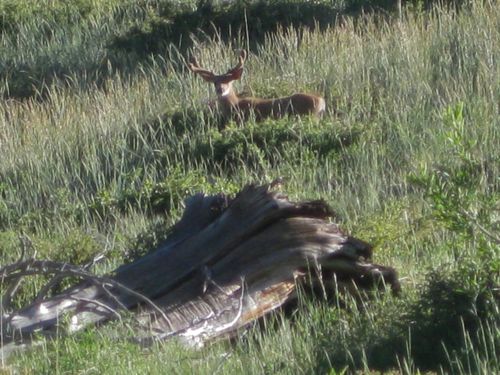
(62,270)
(485,231)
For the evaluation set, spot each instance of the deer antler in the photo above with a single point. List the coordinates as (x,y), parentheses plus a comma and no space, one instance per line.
(241,61)
(206,74)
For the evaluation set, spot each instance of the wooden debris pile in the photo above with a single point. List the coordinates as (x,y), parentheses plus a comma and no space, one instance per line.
(226,263)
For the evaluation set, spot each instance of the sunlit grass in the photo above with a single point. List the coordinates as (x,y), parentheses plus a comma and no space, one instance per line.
(102,165)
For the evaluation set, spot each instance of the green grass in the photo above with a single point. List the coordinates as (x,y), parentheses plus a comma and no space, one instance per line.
(407,155)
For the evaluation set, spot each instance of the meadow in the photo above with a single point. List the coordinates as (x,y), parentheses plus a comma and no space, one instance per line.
(100,143)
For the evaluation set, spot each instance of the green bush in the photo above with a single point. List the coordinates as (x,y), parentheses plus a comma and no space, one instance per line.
(452,304)
(271,140)
(152,197)
(456,188)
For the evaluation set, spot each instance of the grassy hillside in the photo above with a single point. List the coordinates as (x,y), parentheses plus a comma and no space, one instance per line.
(100,146)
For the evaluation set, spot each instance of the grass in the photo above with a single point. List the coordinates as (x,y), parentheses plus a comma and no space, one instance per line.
(407,156)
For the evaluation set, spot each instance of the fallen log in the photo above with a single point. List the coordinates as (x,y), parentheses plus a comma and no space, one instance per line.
(226,263)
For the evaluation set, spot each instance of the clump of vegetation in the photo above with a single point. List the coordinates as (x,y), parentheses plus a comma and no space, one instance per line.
(270,141)
(453,306)
(156,197)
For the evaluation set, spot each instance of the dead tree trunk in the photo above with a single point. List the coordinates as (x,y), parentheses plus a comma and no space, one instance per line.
(225,264)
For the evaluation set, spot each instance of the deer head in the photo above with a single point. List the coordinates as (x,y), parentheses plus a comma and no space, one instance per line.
(223,82)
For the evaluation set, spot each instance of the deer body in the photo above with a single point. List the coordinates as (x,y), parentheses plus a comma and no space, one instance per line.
(241,108)
(296,104)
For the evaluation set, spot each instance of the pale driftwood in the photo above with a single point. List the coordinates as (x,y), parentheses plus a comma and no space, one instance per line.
(224,265)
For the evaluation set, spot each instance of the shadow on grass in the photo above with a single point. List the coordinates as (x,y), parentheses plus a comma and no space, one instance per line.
(149,28)
(177,24)
(195,138)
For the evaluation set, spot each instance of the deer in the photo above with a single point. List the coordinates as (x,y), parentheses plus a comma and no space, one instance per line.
(241,108)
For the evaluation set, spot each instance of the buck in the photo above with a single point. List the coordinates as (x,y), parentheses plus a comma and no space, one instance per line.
(241,108)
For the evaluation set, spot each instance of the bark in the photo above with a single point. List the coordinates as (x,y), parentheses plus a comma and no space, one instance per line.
(226,263)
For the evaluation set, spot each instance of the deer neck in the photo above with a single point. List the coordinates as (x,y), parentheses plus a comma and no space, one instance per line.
(229,100)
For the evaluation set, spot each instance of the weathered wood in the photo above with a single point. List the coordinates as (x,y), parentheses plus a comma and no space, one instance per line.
(225,264)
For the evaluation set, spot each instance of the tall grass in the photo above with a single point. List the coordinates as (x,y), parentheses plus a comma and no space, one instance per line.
(106,164)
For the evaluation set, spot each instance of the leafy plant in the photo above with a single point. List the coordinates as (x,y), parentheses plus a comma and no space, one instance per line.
(455,189)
